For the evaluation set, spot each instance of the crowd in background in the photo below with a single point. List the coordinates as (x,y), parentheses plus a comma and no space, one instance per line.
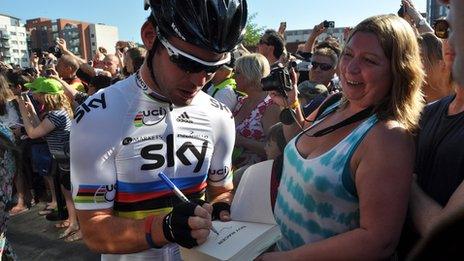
(339,177)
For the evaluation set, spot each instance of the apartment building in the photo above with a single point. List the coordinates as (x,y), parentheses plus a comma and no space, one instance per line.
(13,41)
(102,35)
(82,38)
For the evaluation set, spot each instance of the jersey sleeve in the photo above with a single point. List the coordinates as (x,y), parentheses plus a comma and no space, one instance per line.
(93,142)
(220,171)
(227,96)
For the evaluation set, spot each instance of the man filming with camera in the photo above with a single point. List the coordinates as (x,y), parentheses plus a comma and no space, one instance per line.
(159,121)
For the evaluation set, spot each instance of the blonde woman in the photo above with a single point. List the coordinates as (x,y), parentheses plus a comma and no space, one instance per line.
(254,113)
(346,179)
(54,127)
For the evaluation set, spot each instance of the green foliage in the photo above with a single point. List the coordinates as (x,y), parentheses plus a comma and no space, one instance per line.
(253,31)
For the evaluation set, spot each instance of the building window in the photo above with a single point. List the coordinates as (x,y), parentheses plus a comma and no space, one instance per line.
(21,34)
(15,51)
(14,42)
(54,28)
(92,35)
(23,51)
(93,44)
(13,33)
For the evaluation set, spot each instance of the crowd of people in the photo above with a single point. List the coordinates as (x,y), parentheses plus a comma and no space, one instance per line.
(364,135)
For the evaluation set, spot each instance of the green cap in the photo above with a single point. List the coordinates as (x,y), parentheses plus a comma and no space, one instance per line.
(45,85)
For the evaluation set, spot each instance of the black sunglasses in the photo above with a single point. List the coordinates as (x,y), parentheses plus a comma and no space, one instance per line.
(190,63)
(323,66)
(441,28)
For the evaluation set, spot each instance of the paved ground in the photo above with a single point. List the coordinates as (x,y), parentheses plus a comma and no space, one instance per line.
(35,238)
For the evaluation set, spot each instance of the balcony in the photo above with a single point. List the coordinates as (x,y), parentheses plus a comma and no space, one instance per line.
(5,54)
(5,45)
(4,35)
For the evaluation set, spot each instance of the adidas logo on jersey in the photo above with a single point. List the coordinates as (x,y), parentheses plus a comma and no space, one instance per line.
(184,118)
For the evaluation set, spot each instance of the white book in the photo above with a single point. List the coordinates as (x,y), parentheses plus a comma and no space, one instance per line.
(253,228)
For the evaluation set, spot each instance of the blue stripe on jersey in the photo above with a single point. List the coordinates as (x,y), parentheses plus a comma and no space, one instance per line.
(159,185)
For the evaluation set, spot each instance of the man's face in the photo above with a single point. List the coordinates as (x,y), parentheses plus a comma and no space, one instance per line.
(128,63)
(62,69)
(456,20)
(111,64)
(174,82)
(263,47)
(322,69)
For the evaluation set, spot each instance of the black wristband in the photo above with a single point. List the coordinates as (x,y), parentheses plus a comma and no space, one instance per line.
(218,207)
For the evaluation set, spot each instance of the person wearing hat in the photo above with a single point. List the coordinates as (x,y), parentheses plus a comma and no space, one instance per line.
(54,127)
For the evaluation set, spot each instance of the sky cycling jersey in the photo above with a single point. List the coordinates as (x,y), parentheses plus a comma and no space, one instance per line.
(122,137)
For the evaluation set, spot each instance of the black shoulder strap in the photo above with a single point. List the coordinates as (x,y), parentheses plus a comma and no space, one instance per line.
(327,103)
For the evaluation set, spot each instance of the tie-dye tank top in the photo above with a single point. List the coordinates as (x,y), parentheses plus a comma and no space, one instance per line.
(317,197)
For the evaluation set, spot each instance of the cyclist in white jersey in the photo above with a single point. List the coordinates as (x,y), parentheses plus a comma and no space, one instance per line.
(159,120)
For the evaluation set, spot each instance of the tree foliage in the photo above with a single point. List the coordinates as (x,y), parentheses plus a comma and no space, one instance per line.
(253,31)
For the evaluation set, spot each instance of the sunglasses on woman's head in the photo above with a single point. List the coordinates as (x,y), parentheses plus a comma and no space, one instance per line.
(323,66)
(190,63)
(441,29)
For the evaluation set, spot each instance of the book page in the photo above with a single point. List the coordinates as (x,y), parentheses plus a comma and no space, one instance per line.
(252,200)
(233,237)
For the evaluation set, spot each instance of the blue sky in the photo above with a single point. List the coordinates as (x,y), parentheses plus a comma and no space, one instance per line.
(128,15)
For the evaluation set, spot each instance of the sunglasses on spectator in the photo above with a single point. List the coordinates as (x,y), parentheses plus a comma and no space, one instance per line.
(323,66)
(190,63)
(441,28)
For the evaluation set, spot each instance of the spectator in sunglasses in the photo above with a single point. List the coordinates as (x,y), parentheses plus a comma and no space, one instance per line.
(272,46)
(323,66)
(158,121)
(321,79)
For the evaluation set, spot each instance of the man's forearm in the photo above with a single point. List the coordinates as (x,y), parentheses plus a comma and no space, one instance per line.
(220,194)
(423,209)
(104,233)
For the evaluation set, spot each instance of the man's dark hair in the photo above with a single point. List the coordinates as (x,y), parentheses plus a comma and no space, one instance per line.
(18,77)
(100,82)
(272,38)
(332,44)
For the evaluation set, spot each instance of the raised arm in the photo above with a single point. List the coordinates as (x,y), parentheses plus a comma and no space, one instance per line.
(82,63)
(317,30)
(419,22)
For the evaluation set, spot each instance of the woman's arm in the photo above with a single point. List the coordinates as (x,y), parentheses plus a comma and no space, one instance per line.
(250,144)
(42,129)
(383,179)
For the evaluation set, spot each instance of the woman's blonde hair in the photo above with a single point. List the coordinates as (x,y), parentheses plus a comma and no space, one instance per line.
(57,101)
(405,100)
(253,67)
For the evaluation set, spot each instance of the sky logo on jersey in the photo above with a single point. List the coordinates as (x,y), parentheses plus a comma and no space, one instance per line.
(149,117)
